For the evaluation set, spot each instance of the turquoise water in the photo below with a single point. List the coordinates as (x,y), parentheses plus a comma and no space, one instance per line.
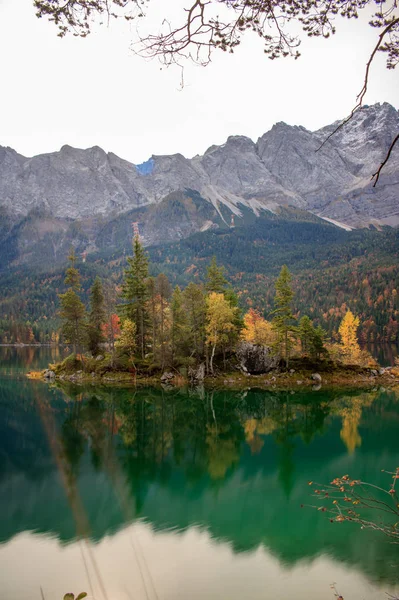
(156,493)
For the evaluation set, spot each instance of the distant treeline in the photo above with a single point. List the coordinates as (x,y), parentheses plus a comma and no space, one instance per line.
(332,269)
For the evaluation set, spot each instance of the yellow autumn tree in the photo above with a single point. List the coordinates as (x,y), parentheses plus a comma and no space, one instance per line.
(348,332)
(257,330)
(220,317)
(223,452)
(127,338)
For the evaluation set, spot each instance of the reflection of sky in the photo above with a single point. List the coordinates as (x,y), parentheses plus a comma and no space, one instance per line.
(235,491)
(138,563)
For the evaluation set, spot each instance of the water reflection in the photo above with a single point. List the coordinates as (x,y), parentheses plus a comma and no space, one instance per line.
(82,463)
(138,563)
(16,361)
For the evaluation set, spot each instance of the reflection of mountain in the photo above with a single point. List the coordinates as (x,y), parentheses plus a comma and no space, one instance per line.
(240,470)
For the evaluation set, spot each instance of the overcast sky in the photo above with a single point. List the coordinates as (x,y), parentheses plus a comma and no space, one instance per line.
(94,91)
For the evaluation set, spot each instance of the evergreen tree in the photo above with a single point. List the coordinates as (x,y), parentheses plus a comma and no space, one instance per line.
(317,348)
(97,317)
(283,317)
(152,310)
(312,339)
(179,329)
(72,277)
(163,291)
(135,293)
(215,279)
(73,312)
(233,301)
(195,307)
(111,327)
(305,332)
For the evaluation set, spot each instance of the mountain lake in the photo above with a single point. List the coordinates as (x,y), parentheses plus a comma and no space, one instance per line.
(177,494)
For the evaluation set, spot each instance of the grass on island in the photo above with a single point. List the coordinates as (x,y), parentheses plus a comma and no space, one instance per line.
(119,368)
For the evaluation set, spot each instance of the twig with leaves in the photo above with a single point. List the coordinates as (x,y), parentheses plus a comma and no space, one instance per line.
(344,498)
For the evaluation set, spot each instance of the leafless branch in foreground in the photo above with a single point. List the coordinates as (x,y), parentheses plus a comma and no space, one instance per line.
(390,27)
(384,162)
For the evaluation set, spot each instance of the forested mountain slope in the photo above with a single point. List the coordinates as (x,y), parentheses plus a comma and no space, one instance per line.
(333,269)
(89,198)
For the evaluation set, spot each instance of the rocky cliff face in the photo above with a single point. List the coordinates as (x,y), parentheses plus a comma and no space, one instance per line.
(286,166)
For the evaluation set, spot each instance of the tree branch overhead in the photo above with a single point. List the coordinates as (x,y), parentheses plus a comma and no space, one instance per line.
(209,25)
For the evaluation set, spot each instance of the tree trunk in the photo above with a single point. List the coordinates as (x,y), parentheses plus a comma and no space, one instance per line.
(286,348)
(212,355)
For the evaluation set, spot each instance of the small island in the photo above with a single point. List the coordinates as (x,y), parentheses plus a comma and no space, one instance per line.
(145,333)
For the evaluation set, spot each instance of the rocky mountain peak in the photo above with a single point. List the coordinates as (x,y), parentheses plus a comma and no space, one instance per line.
(285,166)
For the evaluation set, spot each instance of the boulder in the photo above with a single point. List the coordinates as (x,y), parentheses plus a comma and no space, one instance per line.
(256,359)
(316,377)
(99,357)
(48,374)
(165,377)
(196,375)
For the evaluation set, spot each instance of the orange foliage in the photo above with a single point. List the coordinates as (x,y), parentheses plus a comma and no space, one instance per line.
(256,329)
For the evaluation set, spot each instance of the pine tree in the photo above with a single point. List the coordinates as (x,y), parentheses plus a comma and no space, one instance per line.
(215,279)
(305,332)
(238,322)
(152,311)
(312,338)
(179,329)
(72,277)
(135,293)
(163,291)
(111,328)
(195,307)
(97,317)
(283,317)
(317,348)
(73,312)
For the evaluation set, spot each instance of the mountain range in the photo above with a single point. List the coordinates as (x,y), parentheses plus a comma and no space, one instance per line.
(90,198)
(254,206)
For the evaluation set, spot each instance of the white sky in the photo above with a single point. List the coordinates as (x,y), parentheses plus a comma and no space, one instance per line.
(94,91)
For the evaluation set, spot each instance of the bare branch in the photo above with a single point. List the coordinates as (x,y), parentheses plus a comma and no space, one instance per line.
(362,93)
(384,162)
(201,32)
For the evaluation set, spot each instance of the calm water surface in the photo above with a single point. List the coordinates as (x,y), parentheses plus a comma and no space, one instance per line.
(178,495)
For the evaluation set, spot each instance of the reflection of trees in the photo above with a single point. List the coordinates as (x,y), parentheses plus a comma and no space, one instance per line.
(67,448)
(202,434)
(162,451)
(154,431)
(285,419)
(350,409)
(223,452)
(191,432)
(72,440)
(145,436)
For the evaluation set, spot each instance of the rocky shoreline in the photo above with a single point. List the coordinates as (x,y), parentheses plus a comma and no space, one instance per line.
(293,378)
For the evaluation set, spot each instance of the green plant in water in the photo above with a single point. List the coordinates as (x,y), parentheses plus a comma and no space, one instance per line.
(70,596)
